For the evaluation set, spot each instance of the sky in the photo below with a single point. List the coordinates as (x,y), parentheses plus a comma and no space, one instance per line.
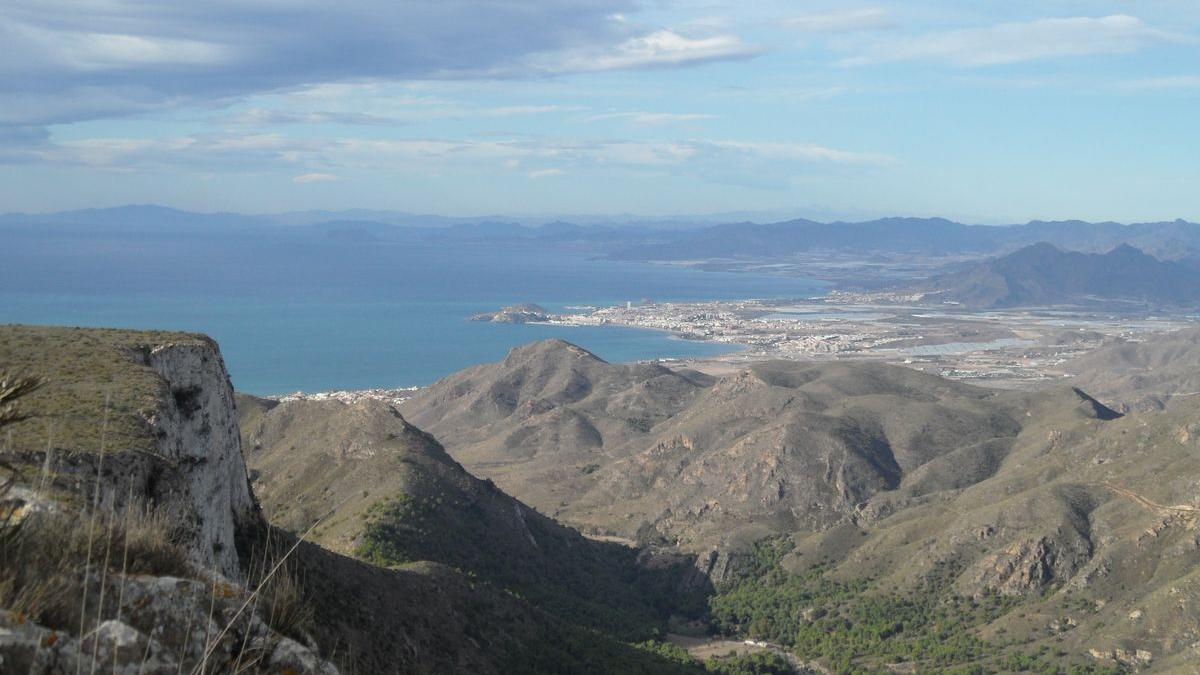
(987,111)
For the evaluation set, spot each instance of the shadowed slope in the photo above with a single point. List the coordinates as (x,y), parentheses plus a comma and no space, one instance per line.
(390,494)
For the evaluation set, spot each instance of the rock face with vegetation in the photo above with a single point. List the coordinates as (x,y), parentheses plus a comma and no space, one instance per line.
(142,415)
(123,496)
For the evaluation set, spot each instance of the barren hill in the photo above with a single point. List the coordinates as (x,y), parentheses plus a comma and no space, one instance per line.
(389,494)
(680,458)
(1150,374)
(552,409)
(1041,274)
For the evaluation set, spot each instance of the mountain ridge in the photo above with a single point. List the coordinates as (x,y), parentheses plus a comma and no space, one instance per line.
(1043,274)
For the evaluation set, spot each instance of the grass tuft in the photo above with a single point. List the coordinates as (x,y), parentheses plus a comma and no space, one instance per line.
(43,554)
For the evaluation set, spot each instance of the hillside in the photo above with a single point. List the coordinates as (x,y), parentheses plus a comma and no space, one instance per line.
(539,422)
(1041,274)
(1151,374)
(123,483)
(644,453)
(386,492)
(1087,529)
(861,516)
(845,503)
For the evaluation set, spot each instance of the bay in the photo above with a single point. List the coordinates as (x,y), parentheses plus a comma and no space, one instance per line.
(301,313)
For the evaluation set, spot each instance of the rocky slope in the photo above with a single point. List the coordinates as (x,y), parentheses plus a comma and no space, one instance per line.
(135,435)
(1089,524)
(1019,530)
(1055,530)
(152,415)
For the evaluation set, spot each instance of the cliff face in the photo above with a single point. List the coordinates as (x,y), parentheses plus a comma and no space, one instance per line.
(196,429)
(142,417)
(123,501)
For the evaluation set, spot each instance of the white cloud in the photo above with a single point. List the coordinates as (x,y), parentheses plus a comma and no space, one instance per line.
(659,49)
(652,119)
(516,110)
(316,178)
(847,21)
(1019,42)
(326,159)
(266,117)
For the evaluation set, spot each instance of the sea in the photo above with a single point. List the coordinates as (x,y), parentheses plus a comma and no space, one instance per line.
(295,313)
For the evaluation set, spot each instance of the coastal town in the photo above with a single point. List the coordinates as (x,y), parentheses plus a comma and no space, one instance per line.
(1000,348)
(389,396)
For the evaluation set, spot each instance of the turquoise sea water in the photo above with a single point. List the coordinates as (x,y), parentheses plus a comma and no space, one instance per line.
(295,313)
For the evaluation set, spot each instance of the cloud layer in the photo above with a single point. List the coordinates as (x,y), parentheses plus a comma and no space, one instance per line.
(327,159)
(70,60)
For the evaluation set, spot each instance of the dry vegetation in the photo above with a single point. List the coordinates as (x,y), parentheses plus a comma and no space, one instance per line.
(51,562)
(83,374)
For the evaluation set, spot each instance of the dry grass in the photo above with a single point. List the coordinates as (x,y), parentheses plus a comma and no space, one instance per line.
(280,600)
(79,369)
(43,555)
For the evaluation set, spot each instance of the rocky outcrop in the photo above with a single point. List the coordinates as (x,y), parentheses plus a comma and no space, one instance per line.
(162,625)
(1027,567)
(195,428)
(147,445)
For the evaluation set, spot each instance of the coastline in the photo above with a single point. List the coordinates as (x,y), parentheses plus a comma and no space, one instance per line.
(1017,348)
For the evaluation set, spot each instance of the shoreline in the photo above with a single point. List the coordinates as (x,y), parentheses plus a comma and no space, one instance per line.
(1007,348)
(1017,348)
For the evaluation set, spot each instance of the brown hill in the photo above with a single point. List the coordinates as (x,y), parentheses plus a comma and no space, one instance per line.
(1091,524)
(685,459)
(1042,274)
(388,493)
(541,420)
(1148,374)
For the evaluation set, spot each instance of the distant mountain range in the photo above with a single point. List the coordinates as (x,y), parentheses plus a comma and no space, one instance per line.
(673,238)
(927,236)
(1042,274)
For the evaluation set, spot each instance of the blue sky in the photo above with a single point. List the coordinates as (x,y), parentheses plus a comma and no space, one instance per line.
(983,111)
